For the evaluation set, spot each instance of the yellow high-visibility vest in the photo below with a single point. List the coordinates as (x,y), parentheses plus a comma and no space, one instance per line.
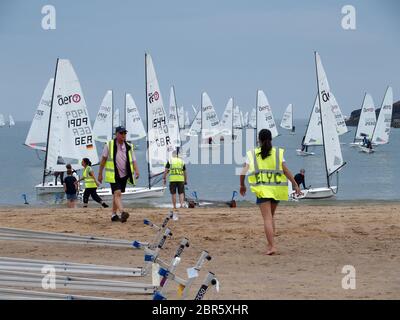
(176,173)
(266,177)
(110,164)
(89,180)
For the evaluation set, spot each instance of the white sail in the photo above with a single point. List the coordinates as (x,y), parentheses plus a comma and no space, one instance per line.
(246,119)
(313,136)
(70,129)
(116,118)
(174,120)
(367,120)
(241,119)
(209,118)
(265,118)
(382,127)
(253,118)
(340,123)
(287,118)
(158,134)
(195,128)
(194,110)
(103,125)
(37,135)
(187,120)
(237,123)
(333,153)
(181,117)
(2,122)
(226,120)
(11,121)
(133,121)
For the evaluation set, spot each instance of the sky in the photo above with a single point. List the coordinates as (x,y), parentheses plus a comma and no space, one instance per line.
(227,48)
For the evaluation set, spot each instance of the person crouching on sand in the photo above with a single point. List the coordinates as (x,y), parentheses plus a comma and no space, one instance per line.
(90,184)
(268,179)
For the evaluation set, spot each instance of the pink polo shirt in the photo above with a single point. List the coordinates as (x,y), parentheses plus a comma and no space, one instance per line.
(120,158)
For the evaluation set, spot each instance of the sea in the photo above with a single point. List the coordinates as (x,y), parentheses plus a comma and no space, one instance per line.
(365,177)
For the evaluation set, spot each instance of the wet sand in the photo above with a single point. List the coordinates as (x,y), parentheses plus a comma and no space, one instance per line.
(314,243)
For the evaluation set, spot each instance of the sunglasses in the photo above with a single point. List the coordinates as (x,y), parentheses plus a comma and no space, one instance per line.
(122,132)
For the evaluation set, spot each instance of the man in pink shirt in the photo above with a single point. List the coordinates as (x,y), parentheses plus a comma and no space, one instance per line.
(120,162)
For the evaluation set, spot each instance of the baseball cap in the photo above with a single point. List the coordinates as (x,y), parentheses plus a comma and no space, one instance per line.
(120,129)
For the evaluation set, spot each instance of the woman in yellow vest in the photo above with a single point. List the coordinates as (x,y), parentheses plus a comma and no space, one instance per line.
(90,184)
(268,179)
(176,169)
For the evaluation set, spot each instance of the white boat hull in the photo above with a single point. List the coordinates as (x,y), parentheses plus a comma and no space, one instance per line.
(304,153)
(365,149)
(317,193)
(133,193)
(49,187)
(355,144)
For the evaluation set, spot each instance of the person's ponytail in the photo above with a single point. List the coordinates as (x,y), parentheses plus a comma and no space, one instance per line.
(265,139)
(87,161)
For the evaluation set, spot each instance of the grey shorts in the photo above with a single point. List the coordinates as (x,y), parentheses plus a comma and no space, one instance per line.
(72,196)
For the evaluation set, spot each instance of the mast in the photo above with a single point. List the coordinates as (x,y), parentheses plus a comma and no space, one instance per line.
(112,114)
(177,122)
(233,103)
(48,129)
(147,122)
(256,128)
(322,126)
(355,135)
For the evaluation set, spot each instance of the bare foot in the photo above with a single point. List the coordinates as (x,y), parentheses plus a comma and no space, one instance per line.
(271,252)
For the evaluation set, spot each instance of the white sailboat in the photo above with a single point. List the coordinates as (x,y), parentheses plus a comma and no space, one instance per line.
(209,122)
(246,120)
(11,121)
(340,123)
(253,119)
(174,121)
(116,118)
(330,138)
(287,119)
(195,128)
(103,125)
(381,131)
(2,122)
(382,128)
(37,134)
(313,135)
(133,121)
(264,116)
(158,140)
(69,134)
(366,122)
(187,120)
(226,123)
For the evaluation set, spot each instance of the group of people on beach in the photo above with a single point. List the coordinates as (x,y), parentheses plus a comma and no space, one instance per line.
(265,166)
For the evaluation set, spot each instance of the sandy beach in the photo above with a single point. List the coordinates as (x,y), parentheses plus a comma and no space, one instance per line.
(314,243)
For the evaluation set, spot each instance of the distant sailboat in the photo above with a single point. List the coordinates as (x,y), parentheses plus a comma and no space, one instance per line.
(103,128)
(69,134)
(366,122)
(330,138)
(2,122)
(116,118)
(209,122)
(253,119)
(381,131)
(287,119)
(226,123)
(264,116)
(174,121)
(11,122)
(133,121)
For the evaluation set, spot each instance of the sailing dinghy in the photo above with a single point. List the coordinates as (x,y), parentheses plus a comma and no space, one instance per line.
(330,138)
(209,123)
(158,141)
(69,133)
(287,119)
(366,122)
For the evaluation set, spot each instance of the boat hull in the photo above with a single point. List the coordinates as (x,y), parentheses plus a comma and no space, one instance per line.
(49,187)
(304,153)
(133,193)
(365,149)
(317,193)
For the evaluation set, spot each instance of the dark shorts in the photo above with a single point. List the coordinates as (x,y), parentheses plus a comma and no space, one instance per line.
(120,184)
(176,185)
(262,200)
(72,196)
